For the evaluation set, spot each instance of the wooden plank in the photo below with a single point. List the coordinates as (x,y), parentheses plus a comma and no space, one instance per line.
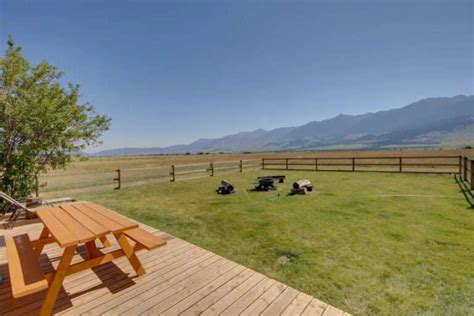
(230,298)
(148,240)
(43,239)
(281,302)
(51,256)
(165,287)
(84,284)
(167,268)
(40,243)
(99,218)
(96,228)
(139,304)
(214,269)
(333,311)
(92,250)
(204,303)
(248,298)
(315,307)
(87,264)
(61,233)
(163,268)
(123,221)
(25,271)
(213,279)
(81,233)
(57,281)
(298,305)
(130,253)
(105,242)
(264,300)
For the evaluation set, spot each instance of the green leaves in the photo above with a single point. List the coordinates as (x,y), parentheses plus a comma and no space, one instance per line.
(42,124)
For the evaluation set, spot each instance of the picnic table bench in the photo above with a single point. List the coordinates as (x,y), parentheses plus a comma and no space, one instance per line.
(69,225)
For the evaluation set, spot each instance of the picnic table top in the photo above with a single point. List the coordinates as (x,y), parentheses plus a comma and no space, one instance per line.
(80,222)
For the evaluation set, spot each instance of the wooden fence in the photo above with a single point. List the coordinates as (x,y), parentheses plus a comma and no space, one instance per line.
(412,164)
(76,183)
(466,172)
(70,183)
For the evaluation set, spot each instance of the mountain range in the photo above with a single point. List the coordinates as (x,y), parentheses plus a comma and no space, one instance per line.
(431,122)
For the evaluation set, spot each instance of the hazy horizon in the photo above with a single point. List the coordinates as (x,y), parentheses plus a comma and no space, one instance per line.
(95,150)
(172,72)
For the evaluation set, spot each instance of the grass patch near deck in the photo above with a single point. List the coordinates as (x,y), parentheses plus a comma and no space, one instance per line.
(368,243)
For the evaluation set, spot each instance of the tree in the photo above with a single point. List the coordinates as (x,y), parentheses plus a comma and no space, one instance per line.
(42,124)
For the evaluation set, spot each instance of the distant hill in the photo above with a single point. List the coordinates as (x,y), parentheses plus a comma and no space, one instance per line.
(431,122)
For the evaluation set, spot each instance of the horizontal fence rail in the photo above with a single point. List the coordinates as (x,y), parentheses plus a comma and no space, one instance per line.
(421,164)
(73,183)
(53,185)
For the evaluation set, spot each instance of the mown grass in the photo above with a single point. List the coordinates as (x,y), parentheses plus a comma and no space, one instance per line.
(368,243)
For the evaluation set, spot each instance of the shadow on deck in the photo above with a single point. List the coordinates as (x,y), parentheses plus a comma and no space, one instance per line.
(181,278)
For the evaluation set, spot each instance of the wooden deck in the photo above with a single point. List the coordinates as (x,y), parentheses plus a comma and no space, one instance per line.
(181,279)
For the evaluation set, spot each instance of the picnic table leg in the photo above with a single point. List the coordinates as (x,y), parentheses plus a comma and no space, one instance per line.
(57,281)
(92,249)
(39,248)
(105,242)
(130,253)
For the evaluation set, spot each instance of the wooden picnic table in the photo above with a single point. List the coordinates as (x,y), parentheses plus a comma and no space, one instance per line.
(70,225)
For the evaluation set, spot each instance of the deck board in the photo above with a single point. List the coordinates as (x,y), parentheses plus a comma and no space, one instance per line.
(248,298)
(264,300)
(181,279)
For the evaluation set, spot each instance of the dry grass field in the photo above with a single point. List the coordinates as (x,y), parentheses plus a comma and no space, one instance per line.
(97,173)
(95,164)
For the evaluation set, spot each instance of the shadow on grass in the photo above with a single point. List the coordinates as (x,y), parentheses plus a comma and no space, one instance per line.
(465,191)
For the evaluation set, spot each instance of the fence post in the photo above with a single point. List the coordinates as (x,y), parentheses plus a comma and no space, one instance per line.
(460,165)
(241,166)
(465,169)
(173,174)
(119,180)
(316,164)
(400,164)
(36,186)
(471,182)
(353,164)
(211,168)
(263,163)
(286,163)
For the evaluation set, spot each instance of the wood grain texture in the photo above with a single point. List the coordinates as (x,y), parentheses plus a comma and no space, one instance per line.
(148,240)
(24,268)
(96,228)
(181,278)
(110,215)
(77,228)
(100,219)
(61,233)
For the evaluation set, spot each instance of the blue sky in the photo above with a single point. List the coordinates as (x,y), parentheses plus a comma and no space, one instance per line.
(170,72)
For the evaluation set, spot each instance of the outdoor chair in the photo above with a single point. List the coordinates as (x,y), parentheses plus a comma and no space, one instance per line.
(12,207)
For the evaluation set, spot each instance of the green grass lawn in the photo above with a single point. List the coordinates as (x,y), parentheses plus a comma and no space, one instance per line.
(368,243)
